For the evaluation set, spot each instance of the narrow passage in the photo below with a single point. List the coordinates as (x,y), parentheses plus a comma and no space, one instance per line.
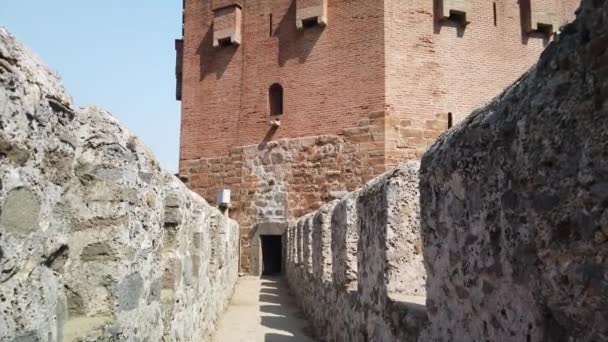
(262,309)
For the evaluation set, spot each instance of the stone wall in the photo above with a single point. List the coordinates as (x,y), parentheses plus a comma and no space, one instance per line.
(355,265)
(515,203)
(276,181)
(97,243)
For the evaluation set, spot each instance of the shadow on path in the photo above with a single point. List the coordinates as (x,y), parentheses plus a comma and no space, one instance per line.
(279,312)
(263,310)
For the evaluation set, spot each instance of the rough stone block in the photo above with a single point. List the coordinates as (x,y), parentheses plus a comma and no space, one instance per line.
(300,242)
(98,251)
(513,199)
(345,236)
(389,262)
(321,243)
(20,212)
(129,291)
(307,247)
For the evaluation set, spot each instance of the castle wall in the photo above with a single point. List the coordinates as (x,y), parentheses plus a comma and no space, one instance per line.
(96,241)
(355,265)
(512,224)
(392,58)
(436,66)
(332,76)
(515,203)
(274,182)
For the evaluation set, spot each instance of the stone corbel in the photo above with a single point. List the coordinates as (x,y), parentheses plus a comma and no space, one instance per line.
(457,10)
(542,22)
(311,10)
(227,25)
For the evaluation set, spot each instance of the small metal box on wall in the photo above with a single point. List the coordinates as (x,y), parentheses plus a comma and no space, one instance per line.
(223,198)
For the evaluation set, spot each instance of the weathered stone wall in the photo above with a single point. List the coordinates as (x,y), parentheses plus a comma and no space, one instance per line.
(276,181)
(355,265)
(515,203)
(97,243)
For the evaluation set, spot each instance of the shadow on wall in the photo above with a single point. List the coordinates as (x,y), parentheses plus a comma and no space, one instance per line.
(268,137)
(294,43)
(214,59)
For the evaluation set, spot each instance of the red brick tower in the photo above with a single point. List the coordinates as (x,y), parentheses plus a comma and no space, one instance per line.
(289,103)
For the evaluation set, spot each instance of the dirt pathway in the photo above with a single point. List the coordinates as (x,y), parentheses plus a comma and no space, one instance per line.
(262,310)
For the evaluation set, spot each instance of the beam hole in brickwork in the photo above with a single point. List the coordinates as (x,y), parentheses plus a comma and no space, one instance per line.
(275,99)
(224,42)
(310,22)
(495,14)
(270,25)
(458,17)
(546,29)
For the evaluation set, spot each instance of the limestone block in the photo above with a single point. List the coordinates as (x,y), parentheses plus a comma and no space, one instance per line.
(129,291)
(20,212)
(307,247)
(369,239)
(321,243)
(98,251)
(390,264)
(344,239)
(512,201)
(299,242)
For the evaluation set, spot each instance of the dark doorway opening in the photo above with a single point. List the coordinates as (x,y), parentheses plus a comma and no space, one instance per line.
(272,252)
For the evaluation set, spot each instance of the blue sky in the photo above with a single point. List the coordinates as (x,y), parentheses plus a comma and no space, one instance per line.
(118,54)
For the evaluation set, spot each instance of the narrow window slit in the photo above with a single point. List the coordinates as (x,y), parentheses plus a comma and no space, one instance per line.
(270,32)
(275,99)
